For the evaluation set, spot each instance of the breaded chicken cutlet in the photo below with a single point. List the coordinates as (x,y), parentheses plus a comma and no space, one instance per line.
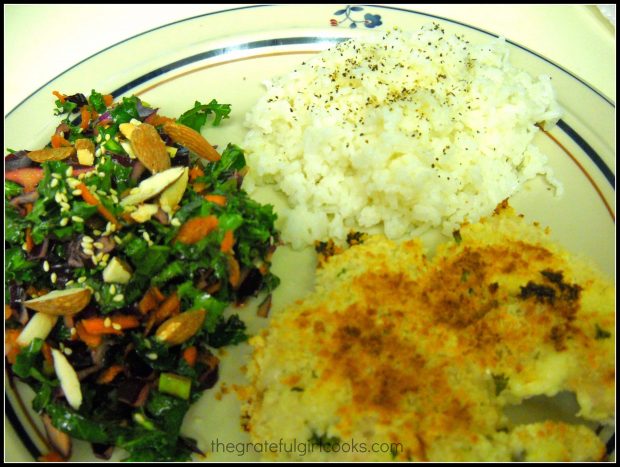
(424,354)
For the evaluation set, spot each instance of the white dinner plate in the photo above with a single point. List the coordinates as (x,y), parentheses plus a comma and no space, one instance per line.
(226,55)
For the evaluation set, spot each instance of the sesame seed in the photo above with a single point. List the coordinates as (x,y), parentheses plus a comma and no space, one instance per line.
(64,221)
(97,296)
(107,137)
(146,236)
(72,182)
(25,247)
(64,207)
(88,251)
(119,297)
(69,171)
(117,326)
(87,239)
(53,277)
(152,355)
(54,183)
(56,176)
(105,258)
(107,322)
(71,282)
(97,232)
(112,289)
(81,279)
(73,331)
(77,219)
(175,222)
(98,245)
(76,192)
(81,176)
(117,239)
(67,351)
(46,266)
(101,174)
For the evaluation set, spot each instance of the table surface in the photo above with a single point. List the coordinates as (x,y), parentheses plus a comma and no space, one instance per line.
(41,41)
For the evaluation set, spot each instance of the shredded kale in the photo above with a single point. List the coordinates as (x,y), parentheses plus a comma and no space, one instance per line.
(76,226)
(196,117)
(228,332)
(12,189)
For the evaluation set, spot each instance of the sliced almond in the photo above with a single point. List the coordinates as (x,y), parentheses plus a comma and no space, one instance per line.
(84,143)
(152,186)
(144,212)
(117,271)
(68,378)
(149,148)
(192,140)
(172,195)
(51,154)
(61,302)
(85,151)
(128,149)
(127,129)
(59,440)
(39,326)
(181,327)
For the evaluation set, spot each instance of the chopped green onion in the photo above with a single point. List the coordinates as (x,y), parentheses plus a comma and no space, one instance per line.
(175,385)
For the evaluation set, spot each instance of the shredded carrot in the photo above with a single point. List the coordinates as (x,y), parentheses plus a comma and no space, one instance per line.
(213,289)
(58,141)
(11,347)
(108,99)
(29,207)
(28,177)
(220,200)
(109,374)
(171,306)
(234,271)
(85,118)
(93,201)
(228,242)
(196,228)
(52,456)
(195,172)
(199,187)
(160,297)
(97,326)
(190,355)
(92,340)
(8,311)
(46,350)
(149,301)
(29,241)
(61,97)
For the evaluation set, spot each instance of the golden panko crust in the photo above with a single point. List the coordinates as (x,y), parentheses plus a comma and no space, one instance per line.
(393,347)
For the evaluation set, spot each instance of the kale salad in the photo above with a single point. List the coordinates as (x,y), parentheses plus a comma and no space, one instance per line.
(126,238)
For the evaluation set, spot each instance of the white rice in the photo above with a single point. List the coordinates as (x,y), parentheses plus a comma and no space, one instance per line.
(398,132)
